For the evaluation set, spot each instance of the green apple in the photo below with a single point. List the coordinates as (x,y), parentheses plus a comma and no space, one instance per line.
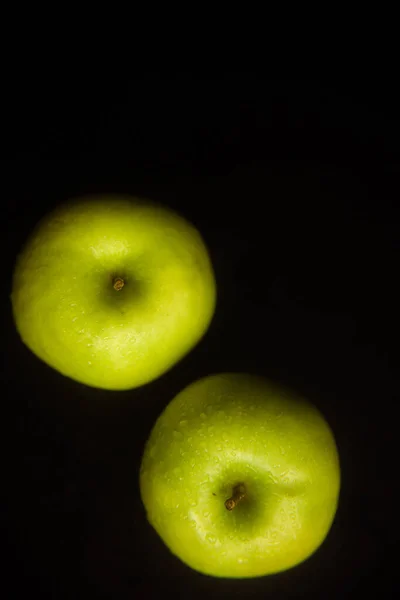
(240,478)
(112,291)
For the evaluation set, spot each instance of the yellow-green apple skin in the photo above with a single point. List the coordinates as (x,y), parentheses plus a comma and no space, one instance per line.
(112,291)
(238,439)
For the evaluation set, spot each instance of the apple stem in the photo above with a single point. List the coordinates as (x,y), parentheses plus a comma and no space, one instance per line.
(238,493)
(118,283)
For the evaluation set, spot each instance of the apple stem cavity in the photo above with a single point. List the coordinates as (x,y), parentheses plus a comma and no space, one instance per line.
(118,283)
(238,493)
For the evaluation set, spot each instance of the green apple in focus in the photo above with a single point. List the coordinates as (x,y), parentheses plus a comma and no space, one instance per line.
(112,291)
(240,478)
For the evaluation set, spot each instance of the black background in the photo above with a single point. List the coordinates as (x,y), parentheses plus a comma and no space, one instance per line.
(294,186)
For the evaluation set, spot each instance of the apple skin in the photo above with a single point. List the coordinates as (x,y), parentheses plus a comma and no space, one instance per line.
(68,313)
(231,429)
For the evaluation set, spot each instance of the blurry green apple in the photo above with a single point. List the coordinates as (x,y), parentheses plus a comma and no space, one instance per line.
(113,291)
(239,477)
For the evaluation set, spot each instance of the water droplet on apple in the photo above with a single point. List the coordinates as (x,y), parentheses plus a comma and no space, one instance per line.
(203,415)
(193,524)
(183,422)
(192,462)
(211,538)
(216,459)
(206,513)
(211,429)
(89,362)
(178,435)
(193,503)
(219,447)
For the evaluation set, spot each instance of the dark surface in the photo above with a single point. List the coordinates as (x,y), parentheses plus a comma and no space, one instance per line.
(295,188)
